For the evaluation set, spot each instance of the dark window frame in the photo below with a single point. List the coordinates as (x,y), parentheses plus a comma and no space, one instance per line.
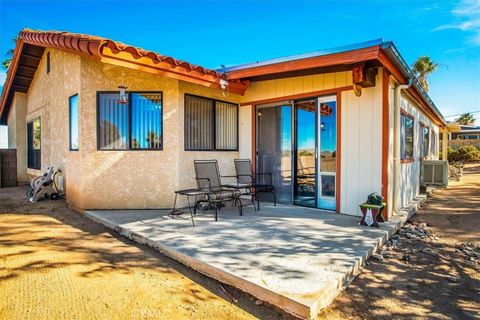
(407,158)
(214,115)
(129,121)
(70,123)
(39,165)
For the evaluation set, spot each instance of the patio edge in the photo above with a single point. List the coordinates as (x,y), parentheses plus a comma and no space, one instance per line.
(277,300)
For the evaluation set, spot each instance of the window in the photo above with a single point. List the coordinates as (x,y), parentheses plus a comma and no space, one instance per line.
(34,151)
(406,137)
(434,144)
(467,136)
(136,125)
(73,122)
(210,124)
(425,141)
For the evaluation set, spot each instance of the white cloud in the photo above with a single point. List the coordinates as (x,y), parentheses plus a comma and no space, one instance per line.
(466,18)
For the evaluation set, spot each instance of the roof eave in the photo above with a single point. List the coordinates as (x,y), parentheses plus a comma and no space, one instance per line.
(394,55)
(109,51)
(339,58)
(9,79)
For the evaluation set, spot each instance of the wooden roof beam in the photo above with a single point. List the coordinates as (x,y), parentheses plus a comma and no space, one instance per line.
(348,57)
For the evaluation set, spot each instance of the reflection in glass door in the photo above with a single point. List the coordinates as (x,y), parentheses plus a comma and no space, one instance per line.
(305,153)
(327,160)
(297,143)
(274,147)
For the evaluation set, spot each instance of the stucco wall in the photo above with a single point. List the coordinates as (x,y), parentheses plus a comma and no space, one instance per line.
(123,179)
(245,129)
(17,137)
(186,158)
(135,179)
(48,98)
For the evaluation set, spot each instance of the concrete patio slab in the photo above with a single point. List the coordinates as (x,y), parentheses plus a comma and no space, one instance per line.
(297,259)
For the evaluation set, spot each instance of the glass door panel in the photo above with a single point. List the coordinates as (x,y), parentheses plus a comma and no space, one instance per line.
(327,160)
(305,153)
(274,147)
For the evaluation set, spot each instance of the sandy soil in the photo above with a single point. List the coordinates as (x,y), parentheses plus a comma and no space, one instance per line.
(56,264)
(437,281)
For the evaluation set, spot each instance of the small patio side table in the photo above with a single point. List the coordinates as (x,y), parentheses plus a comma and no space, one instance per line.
(187,193)
(375,214)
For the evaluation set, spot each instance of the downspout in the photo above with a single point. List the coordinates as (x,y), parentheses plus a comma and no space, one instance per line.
(396,145)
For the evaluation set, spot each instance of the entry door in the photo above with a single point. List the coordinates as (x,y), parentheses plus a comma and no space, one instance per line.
(305,162)
(327,153)
(274,147)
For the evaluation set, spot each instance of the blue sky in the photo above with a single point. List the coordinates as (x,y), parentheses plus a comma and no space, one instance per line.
(211,33)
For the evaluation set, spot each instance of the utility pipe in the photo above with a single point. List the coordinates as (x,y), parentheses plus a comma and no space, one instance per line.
(396,145)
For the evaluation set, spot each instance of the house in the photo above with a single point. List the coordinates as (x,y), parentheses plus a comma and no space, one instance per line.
(466,133)
(462,135)
(331,126)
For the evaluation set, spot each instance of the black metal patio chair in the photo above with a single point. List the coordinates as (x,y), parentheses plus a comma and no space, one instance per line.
(208,179)
(260,182)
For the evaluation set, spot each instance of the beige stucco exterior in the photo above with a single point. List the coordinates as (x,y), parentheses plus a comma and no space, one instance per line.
(135,179)
(147,179)
(16,135)
(107,179)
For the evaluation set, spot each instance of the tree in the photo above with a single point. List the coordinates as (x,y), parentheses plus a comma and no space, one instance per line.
(6,63)
(466,119)
(154,141)
(423,67)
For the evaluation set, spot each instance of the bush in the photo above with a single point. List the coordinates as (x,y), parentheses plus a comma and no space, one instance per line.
(463,154)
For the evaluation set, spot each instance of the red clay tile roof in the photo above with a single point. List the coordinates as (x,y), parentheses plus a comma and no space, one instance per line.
(93,46)
(105,50)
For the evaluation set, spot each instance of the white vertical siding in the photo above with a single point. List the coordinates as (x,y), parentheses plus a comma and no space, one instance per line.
(361,168)
(410,172)
(268,89)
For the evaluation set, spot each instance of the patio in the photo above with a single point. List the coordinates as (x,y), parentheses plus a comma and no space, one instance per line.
(295,258)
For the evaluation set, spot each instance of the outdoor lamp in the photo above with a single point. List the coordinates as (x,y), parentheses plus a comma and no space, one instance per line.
(123,94)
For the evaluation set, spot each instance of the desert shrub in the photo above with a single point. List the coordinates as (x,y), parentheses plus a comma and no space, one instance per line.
(464,154)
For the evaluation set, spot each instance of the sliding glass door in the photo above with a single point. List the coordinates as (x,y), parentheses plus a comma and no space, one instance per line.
(305,153)
(274,147)
(327,159)
(296,141)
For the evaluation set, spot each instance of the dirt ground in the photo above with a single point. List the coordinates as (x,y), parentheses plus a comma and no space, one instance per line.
(56,264)
(426,278)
